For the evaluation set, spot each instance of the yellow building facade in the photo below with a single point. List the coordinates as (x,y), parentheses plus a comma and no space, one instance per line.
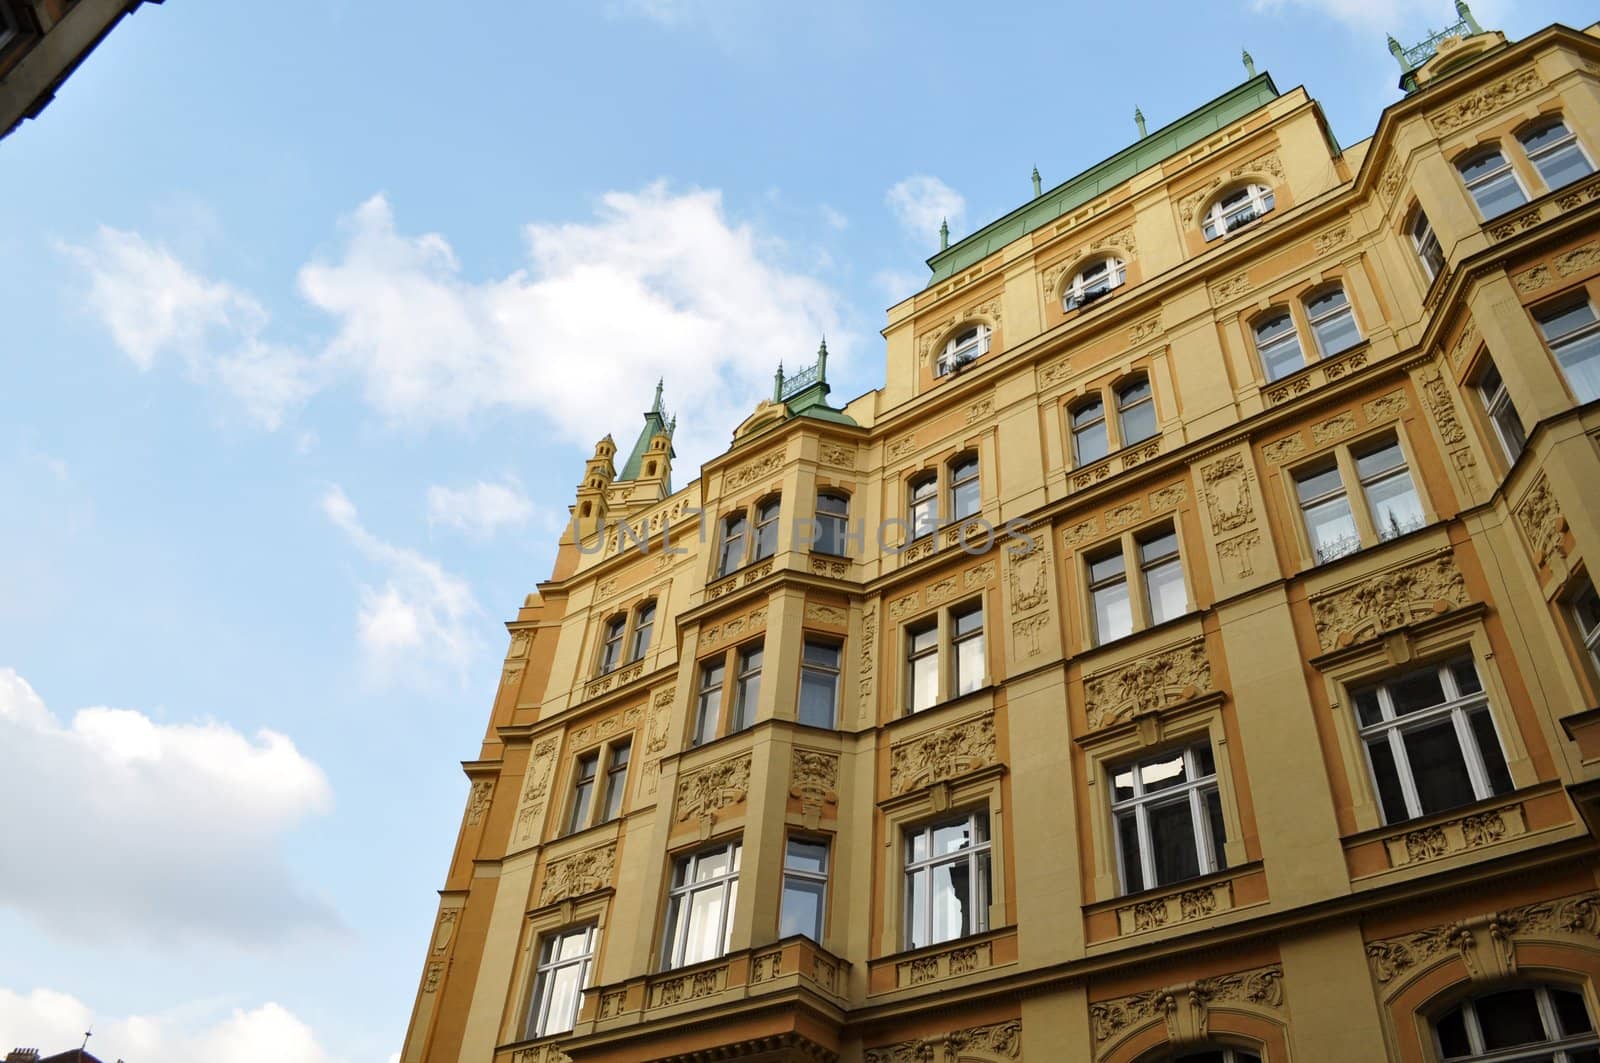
(1189,653)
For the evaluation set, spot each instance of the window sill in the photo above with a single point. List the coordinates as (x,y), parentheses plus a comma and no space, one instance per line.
(914,968)
(1479,830)
(982,695)
(1177,907)
(1332,368)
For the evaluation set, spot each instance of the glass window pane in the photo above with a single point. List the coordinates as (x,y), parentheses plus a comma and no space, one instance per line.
(1332,528)
(1134,392)
(1158,546)
(1559,321)
(1160,774)
(803,855)
(1172,842)
(924,682)
(1387,778)
(1572,1013)
(1379,459)
(970,665)
(1113,612)
(1138,422)
(1543,136)
(703,939)
(1494,761)
(801,912)
(1128,844)
(953,901)
(1168,598)
(968,621)
(917,909)
(1437,767)
(1104,568)
(1453,1035)
(952,837)
(1273,328)
(923,638)
(964,500)
(1122,785)
(1509,1018)
(1090,443)
(1396,509)
(818,697)
(1466,676)
(825,654)
(1415,691)
(712,864)
(1219,832)
(1088,413)
(1499,194)
(1367,707)
(565,987)
(1314,484)
(1204,762)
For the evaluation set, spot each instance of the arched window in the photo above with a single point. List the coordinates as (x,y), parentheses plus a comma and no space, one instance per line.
(1524,1024)
(1332,323)
(1089,441)
(1493,185)
(1136,411)
(1555,152)
(971,342)
(1426,243)
(766,543)
(964,493)
(833,516)
(922,511)
(1214,1055)
(611,642)
(1094,281)
(644,620)
(1237,209)
(1278,344)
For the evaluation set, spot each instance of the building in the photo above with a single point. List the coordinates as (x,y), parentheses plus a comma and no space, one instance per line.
(1189,653)
(41,44)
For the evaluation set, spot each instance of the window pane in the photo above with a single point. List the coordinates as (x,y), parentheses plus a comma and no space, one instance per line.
(1219,832)
(802,908)
(1113,613)
(1163,773)
(922,518)
(1314,484)
(818,696)
(1122,785)
(970,665)
(1387,778)
(964,500)
(1337,333)
(952,838)
(1138,422)
(924,682)
(1416,690)
(953,901)
(1088,413)
(1571,1011)
(1172,842)
(1580,361)
(825,654)
(1466,677)
(1396,509)
(712,864)
(1168,598)
(923,638)
(1437,767)
(803,855)
(1158,546)
(1090,443)
(1453,1035)
(917,909)
(1333,529)
(1494,761)
(1557,322)
(703,940)
(566,983)
(968,621)
(1509,1019)
(1367,707)
(1104,568)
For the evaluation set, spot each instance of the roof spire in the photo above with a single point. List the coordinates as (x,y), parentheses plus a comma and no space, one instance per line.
(1466,16)
(777,384)
(1249,63)
(1138,120)
(655,407)
(822,359)
(1036,188)
(944,233)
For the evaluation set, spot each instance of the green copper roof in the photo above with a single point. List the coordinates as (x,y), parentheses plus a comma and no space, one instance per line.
(1097,180)
(655,421)
(805,394)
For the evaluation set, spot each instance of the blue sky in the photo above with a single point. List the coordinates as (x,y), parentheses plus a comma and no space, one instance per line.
(304,300)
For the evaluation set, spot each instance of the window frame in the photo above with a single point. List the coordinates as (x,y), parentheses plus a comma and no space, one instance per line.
(588,796)
(716,705)
(1134,578)
(1556,1045)
(1271,316)
(1120,392)
(1259,199)
(943,650)
(613,634)
(1483,151)
(764,528)
(1076,431)
(1497,406)
(580,802)
(1193,792)
(805,875)
(1081,291)
(735,529)
(955,355)
(956,481)
(642,621)
(680,906)
(619,756)
(1540,124)
(1341,458)
(1575,338)
(977,856)
(922,496)
(1315,322)
(1423,238)
(835,673)
(825,521)
(1588,636)
(546,965)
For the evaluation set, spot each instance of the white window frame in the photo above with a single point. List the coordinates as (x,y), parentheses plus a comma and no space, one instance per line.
(1098,279)
(681,892)
(1589,332)
(1474,184)
(1280,341)
(1172,560)
(915,655)
(1105,584)
(644,621)
(1555,1046)
(1392,727)
(1326,317)
(1193,791)
(1426,243)
(539,1016)
(1343,547)
(805,875)
(1590,635)
(1501,411)
(1220,222)
(977,858)
(959,480)
(764,528)
(970,343)
(1570,140)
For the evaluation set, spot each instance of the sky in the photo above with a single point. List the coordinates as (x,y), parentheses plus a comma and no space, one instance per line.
(314,310)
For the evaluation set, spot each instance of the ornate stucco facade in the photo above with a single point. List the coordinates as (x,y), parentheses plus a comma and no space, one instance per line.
(1265,725)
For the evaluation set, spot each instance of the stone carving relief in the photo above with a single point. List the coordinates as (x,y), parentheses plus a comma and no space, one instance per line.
(540,1054)
(839,455)
(1078,534)
(1190,203)
(478,801)
(830,566)
(1122,516)
(1579,259)
(1140,454)
(813,776)
(535,790)
(1029,578)
(1150,683)
(869,636)
(1385,407)
(1437,396)
(688,987)
(703,791)
(1169,497)
(1532,280)
(1334,427)
(1337,368)
(1025,634)
(1227,488)
(750,472)
(901,447)
(578,874)
(978,575)
(823,613)
(1332,238)
(1184,1007)
(979,410)
(1456,835)
(949,752)
(1054,373)
(989,310)
(1464,345)
(1541,519)
(1144,330)
(739,626)
(1485,101)
(1388,600)
(1486,944)
(1518,222)
(1238,550)
(1280,451)
(1236,285)
(1002,1040)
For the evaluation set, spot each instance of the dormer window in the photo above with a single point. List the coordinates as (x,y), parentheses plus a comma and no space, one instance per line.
(1237,209)
(970,343)
(1094,282)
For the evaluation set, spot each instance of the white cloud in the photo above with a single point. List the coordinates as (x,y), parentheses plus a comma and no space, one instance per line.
(54,1022)
(419,614)
(480,510)
(921,203)
(834,219)
(156,307)
(152,831)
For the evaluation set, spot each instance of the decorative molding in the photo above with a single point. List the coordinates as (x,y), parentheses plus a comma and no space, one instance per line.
(838,568)
(686,987)
(1238,550)
(581,873)
(1001,1039)
(1331,238)
(1080,533)
(1337,368)
(1138,455)
(1184,1007)
(1485,101)
(1025,634)
(1169,497)
(814,776)
(1144,330)
(979,575)
(1459,835)
(1227,490)
(1532,280)
(1089,475)
(1393,960)
(1147,684)
(704,791)
(766,967)
(1341,424)
(1389,183)
(1282,451)
(743,578)
(1541,519)
(1386,407)
(548,1053)
(899,448)
(615,678)
(535,789)
(905,605)
(1029,579)
(1235,286)
(1440,406)
(1517,222)
(1180,906)
(951,963)
(822,613)
(1464,344)
(869,637)
(979,410)
(729,630)
(1054,373)
(750,472)
(478,801)
(1388,600)
(946,753)
(1574,199)
(839,455)
(989,309)
(1123,515)
(1297,385)
(1579,259)
(1261,164)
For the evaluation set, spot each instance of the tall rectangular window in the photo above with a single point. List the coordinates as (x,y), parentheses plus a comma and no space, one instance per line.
(582,791)
(1502,414)
(611,643)
(747,687)
(964,488)
(1586,612)
(947,880)
(819,684)
(923,514)
(1426,243)
(708,704)
(1555,153)
(1391,496)
(966,637)
(616,782)
(1278,345)
(1108,590)
(730,556)
(1573,333)
(1329,522)
(805,888)
(644,622)
(1163,575)
(558,981)
(1168,816)
(1090,442)
(922,660)
(833,515)
(704,890)
(1332,322)
(1430,740)
(1136,412)
(1492,183)
(766,541)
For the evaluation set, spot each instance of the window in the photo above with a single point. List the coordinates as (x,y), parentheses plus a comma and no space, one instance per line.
(819,684)
(1326,509)
(734,532)
(1094,281)
(922,656)
(1089,440)
(947,880)
(616,782)
(558,982)
(1217,1055)
(967,640)
(1168,816)
(1430,740)
(1524,1024)
(1555,153)
(1108,590)
(708,708)
(1391,496)
(1493,185)
(833,516)
(766,540)
(611,643)
(964,487)
(705,887)
(1586,611)
(1165,594)
(1573,333)
(1426,243)
(1502,414)
(644,619)
(924,505)
(582,791)
(1278,344)
(964,346)
(1332,323)
(1237,209)
(747,688)
(805,888)
(1136,411)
